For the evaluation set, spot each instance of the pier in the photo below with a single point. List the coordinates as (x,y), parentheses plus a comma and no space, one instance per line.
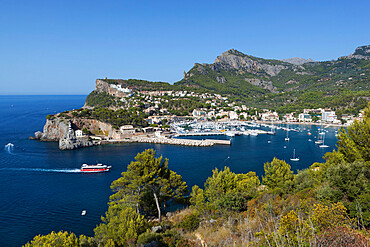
(182,142)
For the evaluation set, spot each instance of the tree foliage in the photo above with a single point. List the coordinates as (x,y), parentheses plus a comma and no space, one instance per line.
(57,239)
(225,190)
(148,175)
(354,143)
(120,225)
(278,175)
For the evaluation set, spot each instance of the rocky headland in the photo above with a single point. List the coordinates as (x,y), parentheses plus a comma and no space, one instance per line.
(64,131)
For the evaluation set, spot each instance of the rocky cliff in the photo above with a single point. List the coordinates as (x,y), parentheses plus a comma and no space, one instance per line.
(233,59)
(362,52)
(69,141)
(103,86)
(54,129)
(297,60)
(63,131)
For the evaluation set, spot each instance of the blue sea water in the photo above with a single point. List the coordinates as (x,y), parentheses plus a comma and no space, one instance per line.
(42,189)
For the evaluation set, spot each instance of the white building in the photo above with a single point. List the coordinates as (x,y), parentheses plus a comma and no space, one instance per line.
(127,129)
(120,88)
(199,113)
(304,117)
(290,117)
(158,134)
(233,115)
(79,133)
(328,115)
(270,116)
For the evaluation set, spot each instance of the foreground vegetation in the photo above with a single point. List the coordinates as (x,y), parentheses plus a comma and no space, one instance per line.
(325,205)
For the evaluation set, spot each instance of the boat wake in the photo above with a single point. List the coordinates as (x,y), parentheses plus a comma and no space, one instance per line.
(9,147)
(46,170)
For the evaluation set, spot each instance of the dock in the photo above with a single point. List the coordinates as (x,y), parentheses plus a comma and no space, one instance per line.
(182,142)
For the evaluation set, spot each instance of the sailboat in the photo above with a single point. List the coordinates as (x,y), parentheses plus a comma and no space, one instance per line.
(320,140)
(294,158)
(323,143)
(272,131)
(287,134)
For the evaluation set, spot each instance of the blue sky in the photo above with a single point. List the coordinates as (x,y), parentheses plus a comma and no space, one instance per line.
(61,47)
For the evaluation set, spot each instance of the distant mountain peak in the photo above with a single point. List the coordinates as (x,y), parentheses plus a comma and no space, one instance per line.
(297,60)
(361,52)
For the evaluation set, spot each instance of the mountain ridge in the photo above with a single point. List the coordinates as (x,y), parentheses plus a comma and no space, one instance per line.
(260,81)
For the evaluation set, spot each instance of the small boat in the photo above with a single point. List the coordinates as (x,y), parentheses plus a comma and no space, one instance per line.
(287,134)
(83,212)
(253,133)
(229,133)
(323,144)
(95,168)
(294,158)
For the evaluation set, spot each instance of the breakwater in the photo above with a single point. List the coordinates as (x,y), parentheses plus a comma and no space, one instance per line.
(172,141)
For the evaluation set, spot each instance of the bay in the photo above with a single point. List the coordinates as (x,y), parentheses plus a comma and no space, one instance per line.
(42,190)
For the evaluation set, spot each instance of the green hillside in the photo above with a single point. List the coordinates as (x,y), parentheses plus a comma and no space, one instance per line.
(341,84)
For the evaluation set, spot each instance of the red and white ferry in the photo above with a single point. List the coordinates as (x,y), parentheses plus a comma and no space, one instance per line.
(95,168)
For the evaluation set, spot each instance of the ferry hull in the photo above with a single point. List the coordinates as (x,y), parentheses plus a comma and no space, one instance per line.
(95,170)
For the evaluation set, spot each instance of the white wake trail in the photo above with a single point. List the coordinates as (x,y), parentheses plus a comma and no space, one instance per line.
(46,170)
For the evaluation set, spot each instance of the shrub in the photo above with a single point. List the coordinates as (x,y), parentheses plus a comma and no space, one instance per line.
(148,237)
(190,222)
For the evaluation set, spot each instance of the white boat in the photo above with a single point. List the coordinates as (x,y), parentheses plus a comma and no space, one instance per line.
(83,212)
(229,133)
(95,168)
(272,131)
(294,158)
(318,142)
(287,134)
(253,133)
(323,144)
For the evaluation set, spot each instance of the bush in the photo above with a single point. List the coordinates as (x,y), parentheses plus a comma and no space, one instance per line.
(190,222)
(148,237)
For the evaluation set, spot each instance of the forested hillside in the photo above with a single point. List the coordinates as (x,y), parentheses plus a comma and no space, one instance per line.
(341,84)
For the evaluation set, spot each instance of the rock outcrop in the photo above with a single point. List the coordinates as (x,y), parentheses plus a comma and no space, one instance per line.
(63,131)
(232,59)
(263,84)
(54,129)
(361,52)
(103,86)
(297,60)
(69,141)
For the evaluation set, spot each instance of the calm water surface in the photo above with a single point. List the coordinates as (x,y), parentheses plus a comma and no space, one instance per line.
(42,190)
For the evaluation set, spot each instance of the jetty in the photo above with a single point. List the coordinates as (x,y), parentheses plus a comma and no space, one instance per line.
(171,141)
(182,142)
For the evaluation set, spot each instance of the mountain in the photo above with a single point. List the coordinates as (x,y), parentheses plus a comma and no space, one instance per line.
(297,60)
(282,83)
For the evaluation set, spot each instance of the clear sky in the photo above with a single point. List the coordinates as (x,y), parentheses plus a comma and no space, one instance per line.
(61,47)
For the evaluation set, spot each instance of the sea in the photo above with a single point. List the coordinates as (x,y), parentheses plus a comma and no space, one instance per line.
(42,189)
